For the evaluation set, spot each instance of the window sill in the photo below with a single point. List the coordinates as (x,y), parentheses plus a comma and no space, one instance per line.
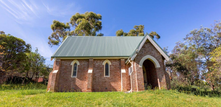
(106,76)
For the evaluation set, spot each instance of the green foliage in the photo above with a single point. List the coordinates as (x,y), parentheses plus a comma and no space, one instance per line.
(214,76)
(183,62)
(2,32)
(13,52)
(100,34)
(17,58)
(59,31)
(120,33)
(87,24)
(154,34)
(35,65)
(191,59)
(137,31)
(197,91)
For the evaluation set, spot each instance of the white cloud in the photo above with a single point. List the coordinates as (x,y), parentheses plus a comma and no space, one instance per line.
(27,12)
(30,21)
(65,10)
(20,10)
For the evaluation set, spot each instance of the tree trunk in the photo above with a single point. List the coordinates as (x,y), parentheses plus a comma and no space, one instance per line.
(213,87)
(23,81)
(26,76)
(33,73)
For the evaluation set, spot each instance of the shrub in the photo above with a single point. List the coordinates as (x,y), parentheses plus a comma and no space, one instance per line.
(197,91)
(22,87)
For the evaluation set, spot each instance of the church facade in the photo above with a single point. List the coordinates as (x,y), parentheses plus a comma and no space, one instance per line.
(98,64)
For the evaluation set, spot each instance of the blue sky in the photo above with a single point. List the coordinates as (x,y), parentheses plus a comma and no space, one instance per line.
(172,19)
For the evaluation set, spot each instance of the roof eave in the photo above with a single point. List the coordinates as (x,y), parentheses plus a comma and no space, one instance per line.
(87,57)
(158,48)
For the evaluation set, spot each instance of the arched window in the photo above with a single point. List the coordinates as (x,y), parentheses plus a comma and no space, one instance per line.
(106,64)
(107,70)
(74,70)
(74,74)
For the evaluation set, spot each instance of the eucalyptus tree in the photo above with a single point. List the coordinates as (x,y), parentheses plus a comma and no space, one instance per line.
(214,76)
(194,53)
(183,63)
(2,32)
(13,51)
(137,31)
(59,33)
(35,64)
(87,24)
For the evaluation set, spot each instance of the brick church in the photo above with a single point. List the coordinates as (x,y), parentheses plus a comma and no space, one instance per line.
(97,64)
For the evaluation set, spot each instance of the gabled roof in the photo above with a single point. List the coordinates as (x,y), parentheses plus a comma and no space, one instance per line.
(90,46)
(106,46)
(145,38)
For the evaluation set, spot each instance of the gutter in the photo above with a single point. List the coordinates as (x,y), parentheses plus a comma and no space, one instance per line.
(130,85)
(120,57)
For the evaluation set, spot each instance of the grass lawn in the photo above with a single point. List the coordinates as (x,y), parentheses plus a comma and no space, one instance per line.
(159,98)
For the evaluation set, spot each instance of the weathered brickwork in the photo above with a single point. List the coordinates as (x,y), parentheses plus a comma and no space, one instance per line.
(102,83)
(53,78)
(148,49)
(90,74)
(82,82)
(68,83)
(127,80)
(134,77)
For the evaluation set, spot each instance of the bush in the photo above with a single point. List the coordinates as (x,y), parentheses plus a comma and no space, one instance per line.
(22,87)
(197,91)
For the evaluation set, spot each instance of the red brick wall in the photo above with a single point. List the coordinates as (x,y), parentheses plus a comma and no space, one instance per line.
(101,83)
(49,81)
(134,77)
(126,79)
(68,83)
(56,65)
(148,49)
(125,76)
(90,75)
(39,79)
(52,81)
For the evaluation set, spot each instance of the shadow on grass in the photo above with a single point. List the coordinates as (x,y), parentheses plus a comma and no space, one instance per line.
(198,92)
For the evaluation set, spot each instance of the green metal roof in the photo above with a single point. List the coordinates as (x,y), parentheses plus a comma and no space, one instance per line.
(91,46)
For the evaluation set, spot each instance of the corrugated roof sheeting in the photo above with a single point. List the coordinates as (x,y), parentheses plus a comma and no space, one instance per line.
(90,46)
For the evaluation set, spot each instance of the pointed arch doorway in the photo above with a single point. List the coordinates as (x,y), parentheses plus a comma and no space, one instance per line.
(149,75)
(149,65)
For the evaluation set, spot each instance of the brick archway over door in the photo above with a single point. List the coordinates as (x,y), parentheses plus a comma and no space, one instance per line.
(149,74)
